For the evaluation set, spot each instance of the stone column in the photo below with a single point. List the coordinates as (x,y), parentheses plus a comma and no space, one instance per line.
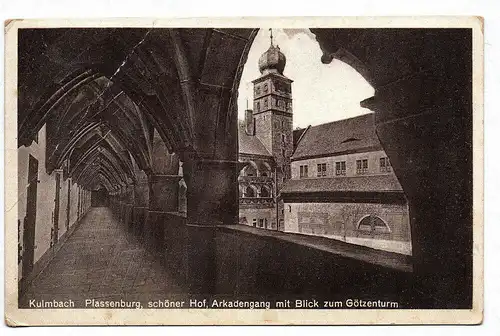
(141,203)
(423,110)
(129,205)
(121,210)
(212,200)
(163,199)
(430,150)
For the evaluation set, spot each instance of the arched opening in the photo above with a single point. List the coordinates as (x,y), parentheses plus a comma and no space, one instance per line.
(265,169)
(265,192)
(101,120)
(251,169)
(250,192)
(372,223)
(100,197)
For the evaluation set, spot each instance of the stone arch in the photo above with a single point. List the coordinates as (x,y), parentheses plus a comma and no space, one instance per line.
(251,191)
(373,223)
(266,169)
(265,191)
(251,169)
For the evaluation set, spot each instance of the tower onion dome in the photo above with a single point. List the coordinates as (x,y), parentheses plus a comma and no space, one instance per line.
(272,60)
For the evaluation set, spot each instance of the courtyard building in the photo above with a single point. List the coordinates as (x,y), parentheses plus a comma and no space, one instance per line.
(343,187)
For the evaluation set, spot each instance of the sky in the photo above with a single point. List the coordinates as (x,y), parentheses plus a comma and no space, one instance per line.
(321,92)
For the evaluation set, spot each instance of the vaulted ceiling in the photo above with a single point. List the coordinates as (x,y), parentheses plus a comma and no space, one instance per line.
(103,94)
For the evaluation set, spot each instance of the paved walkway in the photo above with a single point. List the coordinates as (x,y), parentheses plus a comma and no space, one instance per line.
(101,260)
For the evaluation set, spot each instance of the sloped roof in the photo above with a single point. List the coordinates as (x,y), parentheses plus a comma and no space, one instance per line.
(250,144)
(338,137)
(297,133)
(372,183)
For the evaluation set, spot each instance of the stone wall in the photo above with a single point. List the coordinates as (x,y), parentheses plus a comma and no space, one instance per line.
(45,235)
(341,221)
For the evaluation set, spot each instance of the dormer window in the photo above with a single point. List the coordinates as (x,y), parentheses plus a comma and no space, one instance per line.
(350,140)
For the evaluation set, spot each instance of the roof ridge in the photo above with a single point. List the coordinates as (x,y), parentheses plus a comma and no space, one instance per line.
(344,120)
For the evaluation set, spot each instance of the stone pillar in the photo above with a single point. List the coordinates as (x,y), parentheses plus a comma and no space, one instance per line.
(121,209)
(430,151)
(212,200)
(163,199)
(141,203)
(129,205)
(423,110)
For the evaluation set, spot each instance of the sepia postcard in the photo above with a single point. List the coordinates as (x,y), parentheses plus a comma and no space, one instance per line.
(244,171)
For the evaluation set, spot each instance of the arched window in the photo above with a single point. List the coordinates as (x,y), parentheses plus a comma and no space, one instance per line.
(373,224)
(264,192)
(264,169)
(251,169)
(249,192)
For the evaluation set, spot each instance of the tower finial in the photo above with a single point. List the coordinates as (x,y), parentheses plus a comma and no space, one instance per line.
(271,30)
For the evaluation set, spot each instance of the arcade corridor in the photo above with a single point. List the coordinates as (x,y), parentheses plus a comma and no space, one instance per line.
(149,116)
(102,260)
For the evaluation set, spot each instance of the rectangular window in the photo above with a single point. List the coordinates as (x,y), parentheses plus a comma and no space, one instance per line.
(362,166)
(321,169)
(385,165)
(340,168)
(254,222)
(261,222)
(283,138)
(303,171)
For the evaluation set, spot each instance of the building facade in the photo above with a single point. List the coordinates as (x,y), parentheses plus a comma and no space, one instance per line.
(343,187)
(332,180)
(266,144)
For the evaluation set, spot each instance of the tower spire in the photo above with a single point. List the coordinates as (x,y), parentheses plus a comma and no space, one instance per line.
(271,30)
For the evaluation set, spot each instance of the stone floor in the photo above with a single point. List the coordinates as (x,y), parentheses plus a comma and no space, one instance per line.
(101,260)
